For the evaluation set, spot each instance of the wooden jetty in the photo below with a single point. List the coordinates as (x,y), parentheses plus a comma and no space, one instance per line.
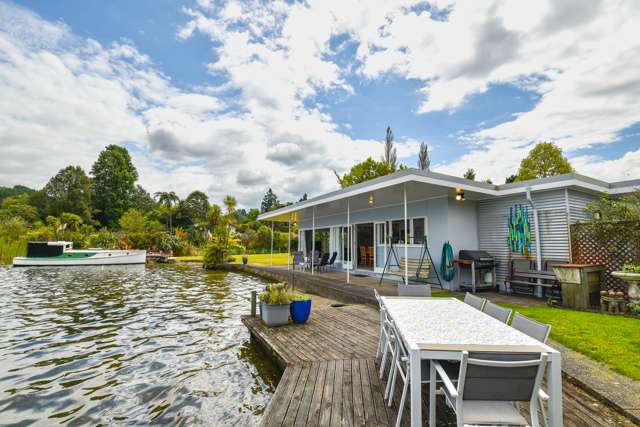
(331,378)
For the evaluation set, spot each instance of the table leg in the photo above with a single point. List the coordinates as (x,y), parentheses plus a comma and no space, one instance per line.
(432,393)
(554,378)
(416,385)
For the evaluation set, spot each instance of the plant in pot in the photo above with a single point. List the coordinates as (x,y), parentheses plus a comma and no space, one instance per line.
(300,307)
(274,304)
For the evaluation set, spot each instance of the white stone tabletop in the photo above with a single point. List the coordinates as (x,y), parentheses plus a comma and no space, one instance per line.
(450,324)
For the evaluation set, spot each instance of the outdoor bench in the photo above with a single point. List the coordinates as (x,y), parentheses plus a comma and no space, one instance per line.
(525,280)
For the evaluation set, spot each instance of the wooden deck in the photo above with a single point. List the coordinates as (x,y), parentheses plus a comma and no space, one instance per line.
(331,377)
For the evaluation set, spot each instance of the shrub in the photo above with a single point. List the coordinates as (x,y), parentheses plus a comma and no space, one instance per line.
(298,296)
(276,293)
(104,239)
(214,254)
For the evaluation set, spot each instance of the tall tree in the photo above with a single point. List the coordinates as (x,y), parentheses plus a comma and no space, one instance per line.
(390,156)
(470,174)
(168,199)
(303,198)
(544,160)
(113,184)
(69,191)
(142,200)
(194,208)
(510,179)
(18,207)
(269,201)
(363,171)
(16,190)
(423,157)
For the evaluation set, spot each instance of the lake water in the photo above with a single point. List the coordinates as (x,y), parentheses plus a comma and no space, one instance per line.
(129,346)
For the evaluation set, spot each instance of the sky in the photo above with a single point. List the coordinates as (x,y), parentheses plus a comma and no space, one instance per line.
(234,97)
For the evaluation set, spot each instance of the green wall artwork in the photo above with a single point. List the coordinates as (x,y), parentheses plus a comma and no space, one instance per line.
(519,238)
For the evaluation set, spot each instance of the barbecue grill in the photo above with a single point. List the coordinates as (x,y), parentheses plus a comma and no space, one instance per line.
(477,261)
(481,259)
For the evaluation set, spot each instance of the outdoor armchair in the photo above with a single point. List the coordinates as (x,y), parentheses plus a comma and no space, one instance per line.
(474,301)
(497,312)
(488,385)
(533,328)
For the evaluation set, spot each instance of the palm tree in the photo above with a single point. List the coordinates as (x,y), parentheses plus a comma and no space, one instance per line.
(168,199)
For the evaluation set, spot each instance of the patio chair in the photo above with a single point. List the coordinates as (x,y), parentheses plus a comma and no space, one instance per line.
(533,328)
(316,260)
(401,367)
(497,312)
(298,260)
(333,260)
(490,383)
(474,301)
(389,345)
(414,290)
(324,261)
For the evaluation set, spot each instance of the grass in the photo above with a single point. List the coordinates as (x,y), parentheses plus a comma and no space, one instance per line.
(192,258)
(263,259)
(259,259)
(612,340)
(10,249)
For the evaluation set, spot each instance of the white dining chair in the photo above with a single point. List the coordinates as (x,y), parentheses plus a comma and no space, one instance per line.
(489,384)
(500,313)
(533,328)
(474,301)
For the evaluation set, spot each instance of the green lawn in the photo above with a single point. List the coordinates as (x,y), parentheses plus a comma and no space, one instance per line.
(612,340)
(263,259)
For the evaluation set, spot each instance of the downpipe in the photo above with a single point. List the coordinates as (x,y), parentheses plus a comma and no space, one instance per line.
(537,234)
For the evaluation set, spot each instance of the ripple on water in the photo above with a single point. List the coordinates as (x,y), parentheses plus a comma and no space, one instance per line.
(129,345)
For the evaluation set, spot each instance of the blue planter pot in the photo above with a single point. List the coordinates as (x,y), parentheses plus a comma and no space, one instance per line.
(300,311)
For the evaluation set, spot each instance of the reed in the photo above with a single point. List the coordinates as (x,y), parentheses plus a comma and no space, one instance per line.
(10,249)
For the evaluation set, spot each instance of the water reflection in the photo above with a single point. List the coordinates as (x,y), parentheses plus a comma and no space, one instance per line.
(129,345)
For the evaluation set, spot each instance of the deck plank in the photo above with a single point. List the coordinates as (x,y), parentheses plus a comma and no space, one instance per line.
(331,376)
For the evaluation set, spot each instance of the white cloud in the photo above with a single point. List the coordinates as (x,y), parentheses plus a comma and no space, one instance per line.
(262,127)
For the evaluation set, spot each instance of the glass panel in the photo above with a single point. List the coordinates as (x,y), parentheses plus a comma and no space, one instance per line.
(418,231)
(397,231)
(344,244)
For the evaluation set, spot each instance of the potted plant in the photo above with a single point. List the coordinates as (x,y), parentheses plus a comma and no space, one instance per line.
(631,274)
(300,307)
(274,304)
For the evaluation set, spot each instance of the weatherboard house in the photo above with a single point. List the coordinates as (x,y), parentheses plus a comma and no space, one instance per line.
(373,225)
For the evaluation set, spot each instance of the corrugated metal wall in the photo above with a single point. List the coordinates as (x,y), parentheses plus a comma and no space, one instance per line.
(578,202)
(554,232)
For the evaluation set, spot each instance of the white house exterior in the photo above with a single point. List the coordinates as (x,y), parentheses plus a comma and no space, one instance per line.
(375,212)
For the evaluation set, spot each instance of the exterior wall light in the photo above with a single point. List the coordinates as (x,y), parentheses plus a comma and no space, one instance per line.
(371,199)
(459,195)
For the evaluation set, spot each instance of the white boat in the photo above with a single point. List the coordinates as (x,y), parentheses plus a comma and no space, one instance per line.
(63,254)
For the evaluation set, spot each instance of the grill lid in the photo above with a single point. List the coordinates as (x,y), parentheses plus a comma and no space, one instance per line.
(475,255)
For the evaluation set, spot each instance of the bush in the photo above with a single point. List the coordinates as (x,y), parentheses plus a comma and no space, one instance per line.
(215,254)
(104,239)
(276,293)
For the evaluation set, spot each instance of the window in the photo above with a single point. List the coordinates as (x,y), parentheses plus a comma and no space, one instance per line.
(417,230)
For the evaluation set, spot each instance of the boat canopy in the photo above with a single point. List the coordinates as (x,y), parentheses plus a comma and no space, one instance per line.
(47,249)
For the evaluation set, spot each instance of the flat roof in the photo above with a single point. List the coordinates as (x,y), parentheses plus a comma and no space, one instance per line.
(490,190)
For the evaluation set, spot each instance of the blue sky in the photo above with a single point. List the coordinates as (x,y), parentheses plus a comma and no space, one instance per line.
(235,97)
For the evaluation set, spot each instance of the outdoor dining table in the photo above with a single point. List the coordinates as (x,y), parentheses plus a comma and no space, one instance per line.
(441,328)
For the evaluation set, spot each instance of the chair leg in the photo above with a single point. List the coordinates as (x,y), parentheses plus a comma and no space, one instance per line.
(545,420)
(402,400)
(383,362)
(391,381)
(533,409)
